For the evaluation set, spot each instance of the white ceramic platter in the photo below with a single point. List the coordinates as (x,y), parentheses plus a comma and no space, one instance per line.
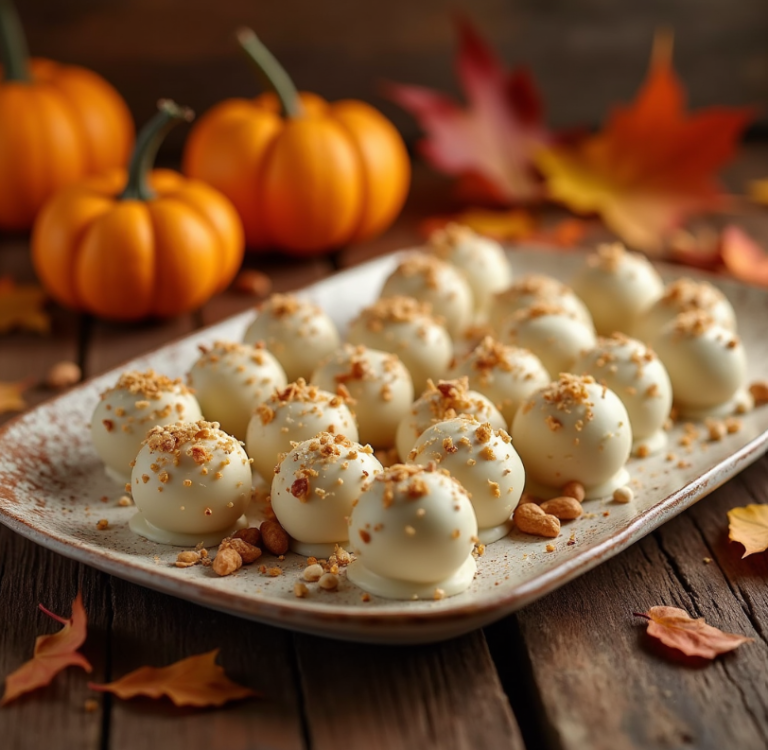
(53,490)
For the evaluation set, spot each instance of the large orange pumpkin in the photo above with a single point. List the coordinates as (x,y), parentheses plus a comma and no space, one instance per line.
(58,123)
(320,177)
(138,245)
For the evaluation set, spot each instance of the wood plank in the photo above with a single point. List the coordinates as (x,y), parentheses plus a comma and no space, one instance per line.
(155,629)
(54,716)
(445,695)
(603,683)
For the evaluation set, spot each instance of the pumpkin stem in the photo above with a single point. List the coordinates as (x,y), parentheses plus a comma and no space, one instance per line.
(147,143)
(271,71)
(13,44)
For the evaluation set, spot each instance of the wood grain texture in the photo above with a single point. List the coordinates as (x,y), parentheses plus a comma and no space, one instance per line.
(443,696)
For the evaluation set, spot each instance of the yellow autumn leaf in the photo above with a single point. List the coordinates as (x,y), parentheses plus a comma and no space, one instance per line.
(749,526)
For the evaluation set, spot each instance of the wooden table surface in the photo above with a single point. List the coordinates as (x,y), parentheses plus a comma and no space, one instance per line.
(573,670)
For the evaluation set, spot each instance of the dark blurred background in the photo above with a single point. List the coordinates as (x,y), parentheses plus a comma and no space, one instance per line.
(585,54)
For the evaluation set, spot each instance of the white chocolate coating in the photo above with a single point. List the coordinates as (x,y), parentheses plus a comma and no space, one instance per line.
(706,364)
(505,375)
(297,413)
(638,377)
(684,295)
(297,332)
(618,287)
(230,380)
(481,260)
(446,400)
(573,430)
(486,465)
(404,326)
(379,384)
(531,289)
(315,486)
(128,410)
(191,481)
(553,334)
(413,531)
(429,279)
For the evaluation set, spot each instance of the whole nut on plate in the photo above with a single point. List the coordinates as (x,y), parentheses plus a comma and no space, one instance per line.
(250,535)
(531,519)
(565,508)
(227,561)
(274,538)
(248,552)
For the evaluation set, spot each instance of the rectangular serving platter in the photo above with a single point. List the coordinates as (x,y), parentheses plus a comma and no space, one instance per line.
(53,490)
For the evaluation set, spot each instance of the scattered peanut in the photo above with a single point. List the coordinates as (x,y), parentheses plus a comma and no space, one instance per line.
(575,490)
(63,375)
(102,524)
(531,519)
(329,582)
(759,392)
(125,502)
(716,429)
(247,552)
(251,535)
(526,498)
(300,590)
(565,508)
(313,572)
(227,561)
(187,559)
(274,538)
(623,495)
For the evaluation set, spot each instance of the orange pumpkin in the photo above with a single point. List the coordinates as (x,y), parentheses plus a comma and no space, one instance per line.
(58,123)
(145,244)
(320,177)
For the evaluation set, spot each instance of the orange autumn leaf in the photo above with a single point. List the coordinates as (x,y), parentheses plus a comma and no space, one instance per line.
(52,654)
(749,526)
(652,165)
(21,307)
(195,681)
(743,257)
(12,395)
(675,628)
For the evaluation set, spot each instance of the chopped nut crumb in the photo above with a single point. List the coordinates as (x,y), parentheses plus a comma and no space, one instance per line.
(328,582)
(102,524)
(300,590)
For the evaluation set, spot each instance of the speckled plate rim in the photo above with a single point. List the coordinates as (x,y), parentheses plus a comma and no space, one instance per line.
(349,623)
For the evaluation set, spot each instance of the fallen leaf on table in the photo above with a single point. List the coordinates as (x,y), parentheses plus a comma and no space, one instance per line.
(491,142)
(743,257)
(758,191)
(52,654)
(21,307)
(652,165)
(12,395)
(675,628)
(196,681)
(749,526)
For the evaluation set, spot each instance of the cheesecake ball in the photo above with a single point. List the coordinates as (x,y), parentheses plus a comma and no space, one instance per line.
(315,487)
(553,334)
(504,374)
(128,410)
(297,332)
(486,465)
(296,413)
(379,384)
(573,430)
(406,327)
(429,279)
(230,380)
(706,364)
(481,260)
(413,531)
(618,287)
(532,289)
(191,483)
(638,377)
(446,400)
(684,295)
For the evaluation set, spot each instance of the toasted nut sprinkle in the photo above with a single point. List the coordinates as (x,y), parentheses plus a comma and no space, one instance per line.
(313,572)
(102,524)
(187,559)
(623,495)
(328,581)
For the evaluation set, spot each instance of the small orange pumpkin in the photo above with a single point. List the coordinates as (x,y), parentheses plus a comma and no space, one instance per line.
(323,176)
(58,123)
(138,245)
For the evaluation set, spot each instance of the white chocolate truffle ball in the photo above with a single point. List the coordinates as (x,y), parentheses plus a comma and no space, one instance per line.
(481,260)
(230,380)
(684,295)
(296,331)
(531,289)
(413,531)
(505,375)
(553,334)
(706,364)
(446,400)
(573,430)
(405,326)
(379,384)
(485,464)
(429,279)
(315,487)
(297,413)
(126,412)
(638,377)
(191,483)
(618,287)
